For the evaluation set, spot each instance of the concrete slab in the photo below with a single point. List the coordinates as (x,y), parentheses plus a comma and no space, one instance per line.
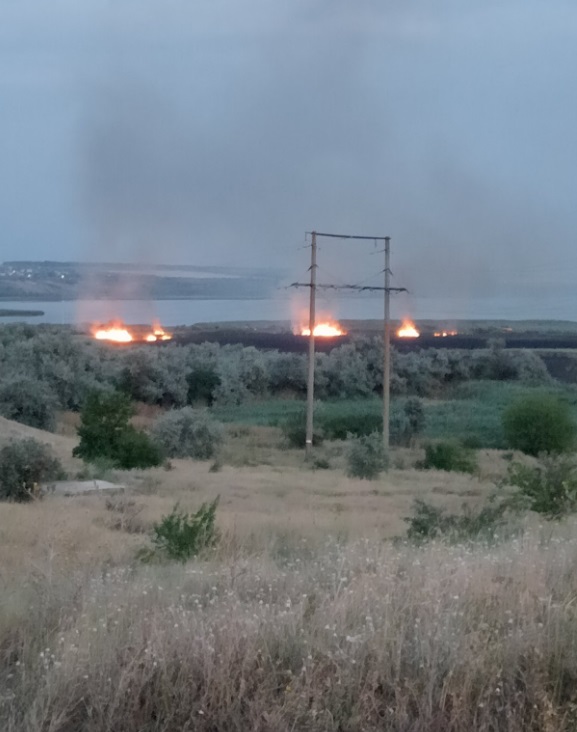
(77,487)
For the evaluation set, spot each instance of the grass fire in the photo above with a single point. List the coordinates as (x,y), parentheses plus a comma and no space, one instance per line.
(325,329)
(445,333)
(117,332)
(408,330)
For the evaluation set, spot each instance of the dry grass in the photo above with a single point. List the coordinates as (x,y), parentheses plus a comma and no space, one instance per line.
(266,492)
(305,618)
(358,637)
(259,502)
(257,506)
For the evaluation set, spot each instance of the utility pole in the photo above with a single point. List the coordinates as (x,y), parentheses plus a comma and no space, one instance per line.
(311,363)
(387,289)
(387,346)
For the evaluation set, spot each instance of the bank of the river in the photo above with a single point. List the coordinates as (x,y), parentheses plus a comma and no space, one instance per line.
(20,313)
(287,308)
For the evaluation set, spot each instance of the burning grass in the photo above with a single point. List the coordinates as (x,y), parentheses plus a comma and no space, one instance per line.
(117,332)
(326,326)
(324,330)
(408,330)
(445,333)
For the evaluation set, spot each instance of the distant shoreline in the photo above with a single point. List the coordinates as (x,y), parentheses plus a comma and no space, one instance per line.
(11,313)
(104,298)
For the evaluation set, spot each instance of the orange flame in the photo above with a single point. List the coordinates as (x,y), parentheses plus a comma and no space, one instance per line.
(408,330)
(158,334)
(113,332)
(445,333)
(117,332)
(328,329)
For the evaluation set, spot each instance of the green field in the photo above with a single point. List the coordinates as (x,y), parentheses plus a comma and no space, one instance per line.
(471,410)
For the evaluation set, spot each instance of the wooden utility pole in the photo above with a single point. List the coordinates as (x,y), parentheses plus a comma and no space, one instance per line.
(387,346)
(311,364)
(312,322)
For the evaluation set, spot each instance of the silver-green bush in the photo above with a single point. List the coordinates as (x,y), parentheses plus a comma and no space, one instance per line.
(188,432)
(366,457)
(24,464)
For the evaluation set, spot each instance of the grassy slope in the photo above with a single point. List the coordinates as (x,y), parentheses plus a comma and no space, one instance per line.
(61,444)
(304,619)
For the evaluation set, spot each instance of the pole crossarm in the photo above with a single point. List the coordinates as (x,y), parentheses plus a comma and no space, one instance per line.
(348,236)
(359,288)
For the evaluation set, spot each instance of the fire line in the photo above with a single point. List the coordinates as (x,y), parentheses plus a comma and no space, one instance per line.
(326,329)
(118,332)
(408,330)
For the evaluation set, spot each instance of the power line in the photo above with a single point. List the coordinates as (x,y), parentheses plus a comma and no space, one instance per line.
(313,286)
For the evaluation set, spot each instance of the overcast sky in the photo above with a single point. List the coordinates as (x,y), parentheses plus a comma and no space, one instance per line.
(219,131)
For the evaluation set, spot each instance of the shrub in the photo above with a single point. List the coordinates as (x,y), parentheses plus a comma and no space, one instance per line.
(366,457)
(549,488)
(154,376)
(202,382)
(135,449)
(287,372)
(98,469)
(450,456)
(29,402)
(497,364)
(472,442)
(188,432)
(430,522)
(415,412)
(181,535)
(295,428)
(339,426)
(408,422)
(532,370)
(25,464)
(105,432)
(347,376)
(539,424)
(242,373)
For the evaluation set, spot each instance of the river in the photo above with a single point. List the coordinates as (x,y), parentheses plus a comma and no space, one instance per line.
(187,312)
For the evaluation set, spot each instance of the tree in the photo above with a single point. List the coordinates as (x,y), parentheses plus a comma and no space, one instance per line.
(202,382)
(105,432)
(539,424)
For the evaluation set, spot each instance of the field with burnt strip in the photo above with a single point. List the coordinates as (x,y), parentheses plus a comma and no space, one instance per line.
(291,343)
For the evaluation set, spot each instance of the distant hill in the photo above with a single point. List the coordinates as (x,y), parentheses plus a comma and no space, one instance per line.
(51,280)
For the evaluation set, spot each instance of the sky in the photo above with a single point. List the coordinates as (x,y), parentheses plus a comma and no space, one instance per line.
(219,132)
